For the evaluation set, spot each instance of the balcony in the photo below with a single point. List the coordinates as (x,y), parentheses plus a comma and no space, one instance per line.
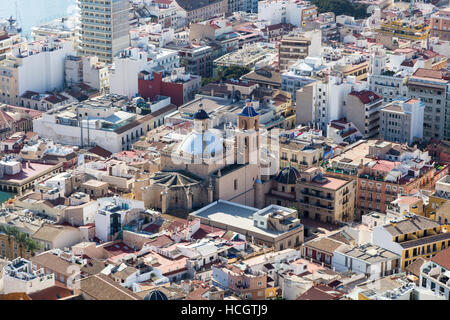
(317,205)
(370,177)
(103,24)
(93,3)
(87,9)
(241,286)
(87,36)
(98,43)
(93,29)
(316,195)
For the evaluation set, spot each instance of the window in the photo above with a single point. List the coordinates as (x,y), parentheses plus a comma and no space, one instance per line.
(235,184)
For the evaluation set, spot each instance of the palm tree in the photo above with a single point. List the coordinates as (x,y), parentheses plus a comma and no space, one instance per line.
(32,245)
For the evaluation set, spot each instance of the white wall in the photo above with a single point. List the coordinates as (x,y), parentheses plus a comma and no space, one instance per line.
(44,71)
(12,285)
(70,135)
(102,223)
(220,277)
(417,114)
(67,239)
(293,287)
(383,239)
(123,79)
(275,12)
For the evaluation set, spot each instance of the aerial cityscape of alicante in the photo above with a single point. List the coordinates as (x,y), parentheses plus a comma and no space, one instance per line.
(226,150)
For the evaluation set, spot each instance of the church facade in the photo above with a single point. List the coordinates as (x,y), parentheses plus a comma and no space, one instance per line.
(208,165)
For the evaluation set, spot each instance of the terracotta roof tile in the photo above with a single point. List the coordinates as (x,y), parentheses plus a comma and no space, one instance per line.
(443,258)
(366,96)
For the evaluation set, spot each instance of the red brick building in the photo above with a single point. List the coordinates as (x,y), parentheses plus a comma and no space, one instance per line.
(440,24)
(180,87)
(374,193)
(439,151)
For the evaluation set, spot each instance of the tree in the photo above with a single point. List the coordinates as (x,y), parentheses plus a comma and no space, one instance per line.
(339,7)
(226,73)
(21,238)
(206,81)
(32,245)
(233,72)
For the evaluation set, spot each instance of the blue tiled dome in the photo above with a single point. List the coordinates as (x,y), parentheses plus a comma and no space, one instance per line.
(208,143)
(155,295)
(288,175)
(248,111)
(201,115)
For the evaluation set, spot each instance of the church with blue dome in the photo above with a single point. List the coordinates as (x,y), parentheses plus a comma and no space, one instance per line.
(208,165)
(248,110)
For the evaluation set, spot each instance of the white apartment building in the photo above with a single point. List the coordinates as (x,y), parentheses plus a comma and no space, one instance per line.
(371,260)
(435,274)
(301,73)
(151,34)
(325,100)
(124,73)
(19,276)
(104,28)
(402,121)
(39,67)
(113,130)
(96,74)
(166,13)
(389,79)
(113,213)
(286,11)
(87,70)
(6,42)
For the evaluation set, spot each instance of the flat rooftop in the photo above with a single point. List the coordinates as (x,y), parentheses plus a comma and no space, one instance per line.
(165,264)
(233,215)
(368,253)
(95,183)
(356,155)
(329,183)
(32,170)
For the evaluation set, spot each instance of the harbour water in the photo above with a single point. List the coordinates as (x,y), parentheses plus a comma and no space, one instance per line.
(4,196)
(30,13)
